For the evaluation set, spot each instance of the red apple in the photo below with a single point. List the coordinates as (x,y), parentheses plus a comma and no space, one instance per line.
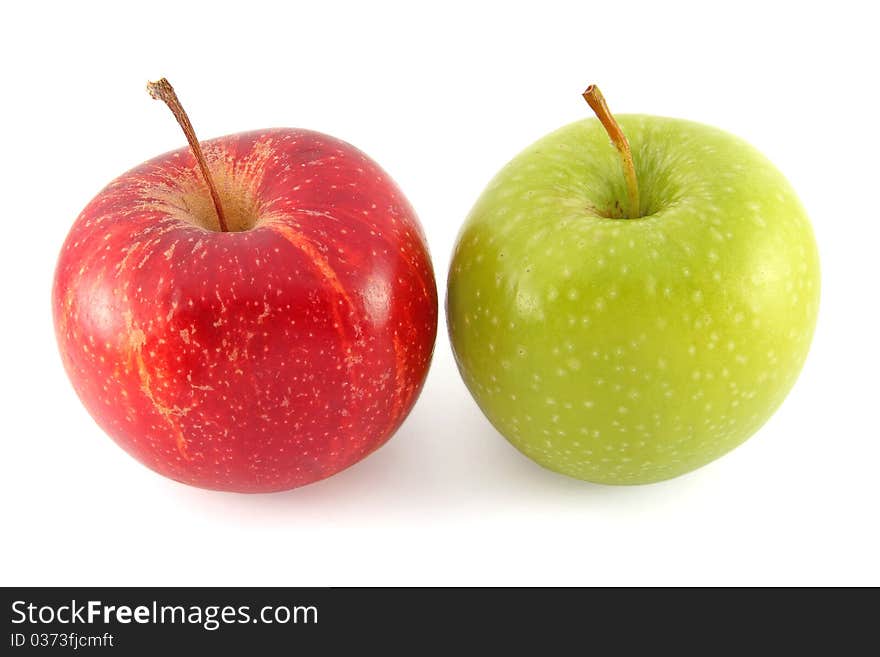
(259,358)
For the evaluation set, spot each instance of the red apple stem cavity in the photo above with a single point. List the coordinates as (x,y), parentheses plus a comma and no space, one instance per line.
(596,101)
(162,90)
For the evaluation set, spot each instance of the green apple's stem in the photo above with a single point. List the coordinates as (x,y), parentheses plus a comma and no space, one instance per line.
(162,90)
(597,102)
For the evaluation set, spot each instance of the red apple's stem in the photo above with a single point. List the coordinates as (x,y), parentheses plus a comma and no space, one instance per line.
(162,90)
(597,102)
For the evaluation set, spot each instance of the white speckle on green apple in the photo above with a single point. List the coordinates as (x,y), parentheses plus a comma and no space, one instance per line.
(630,333)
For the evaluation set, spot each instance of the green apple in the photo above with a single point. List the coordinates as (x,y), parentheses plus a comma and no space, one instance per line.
(628,346)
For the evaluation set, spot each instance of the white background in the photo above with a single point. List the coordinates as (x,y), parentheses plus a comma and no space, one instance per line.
(442,96)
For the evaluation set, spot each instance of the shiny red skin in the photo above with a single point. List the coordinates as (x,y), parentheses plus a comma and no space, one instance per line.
(251,361)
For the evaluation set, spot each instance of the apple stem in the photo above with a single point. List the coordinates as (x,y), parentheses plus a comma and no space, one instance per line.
(162,90)
(596,101)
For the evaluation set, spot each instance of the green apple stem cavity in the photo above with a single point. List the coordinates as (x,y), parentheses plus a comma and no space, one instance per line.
(162,90)
(597,103)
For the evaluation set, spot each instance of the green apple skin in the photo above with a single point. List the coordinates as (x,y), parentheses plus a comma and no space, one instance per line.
(629,351)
